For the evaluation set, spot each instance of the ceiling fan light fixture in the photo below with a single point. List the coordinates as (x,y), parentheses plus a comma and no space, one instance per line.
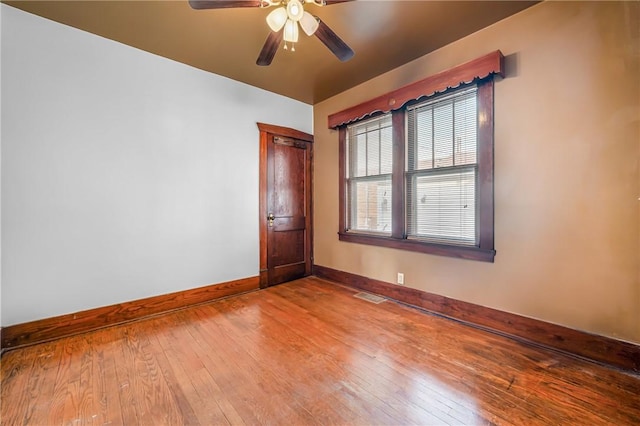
(277,18)
(309,23)
(295,10)
(290,31)
(283,22)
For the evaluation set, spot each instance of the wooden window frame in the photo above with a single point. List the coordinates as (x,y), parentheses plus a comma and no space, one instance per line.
(479,72)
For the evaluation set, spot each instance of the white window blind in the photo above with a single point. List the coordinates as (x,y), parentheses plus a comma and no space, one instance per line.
(442,169)
(369,167)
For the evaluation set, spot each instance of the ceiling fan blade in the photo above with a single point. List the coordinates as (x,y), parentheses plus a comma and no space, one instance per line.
(333,42)
(269,49)
(222,4)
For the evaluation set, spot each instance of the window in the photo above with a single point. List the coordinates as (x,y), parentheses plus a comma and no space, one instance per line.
(369,160)
(416,164)
(421,178)
(442,168)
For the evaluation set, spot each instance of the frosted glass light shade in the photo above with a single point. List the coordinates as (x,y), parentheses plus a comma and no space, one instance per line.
(308,23)
(291,31)
(277,18)
(295,10)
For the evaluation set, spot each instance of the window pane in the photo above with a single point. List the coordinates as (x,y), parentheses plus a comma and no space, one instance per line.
(443,134)
(424,139)
(386,150)
(370,147)
(465,130)
(371,205)
(373,153)
(360,157)
(443,206)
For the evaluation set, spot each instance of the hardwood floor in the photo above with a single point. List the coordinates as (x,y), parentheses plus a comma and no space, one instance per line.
(306,352)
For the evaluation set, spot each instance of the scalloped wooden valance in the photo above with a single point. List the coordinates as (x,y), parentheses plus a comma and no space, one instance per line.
(482,67)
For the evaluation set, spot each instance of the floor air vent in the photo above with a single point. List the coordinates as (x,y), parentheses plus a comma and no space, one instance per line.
(370,297)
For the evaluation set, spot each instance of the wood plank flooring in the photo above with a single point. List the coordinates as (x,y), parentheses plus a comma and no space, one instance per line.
(306,352)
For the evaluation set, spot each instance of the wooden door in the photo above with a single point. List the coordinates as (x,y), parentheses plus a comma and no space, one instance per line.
(286,222)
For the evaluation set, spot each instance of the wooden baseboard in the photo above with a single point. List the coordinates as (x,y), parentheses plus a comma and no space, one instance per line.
(81,322)
(595,348)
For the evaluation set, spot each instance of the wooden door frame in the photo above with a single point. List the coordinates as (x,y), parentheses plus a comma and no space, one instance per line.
(265,131)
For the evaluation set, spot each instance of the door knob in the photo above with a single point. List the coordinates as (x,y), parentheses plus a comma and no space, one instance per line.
(271,218)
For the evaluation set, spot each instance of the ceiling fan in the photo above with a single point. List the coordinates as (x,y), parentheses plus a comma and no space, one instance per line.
(283,22)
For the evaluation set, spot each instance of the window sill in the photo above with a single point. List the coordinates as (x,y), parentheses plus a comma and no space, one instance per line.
(461,252)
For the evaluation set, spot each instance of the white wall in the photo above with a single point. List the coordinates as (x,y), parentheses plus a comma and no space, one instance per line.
(124,174)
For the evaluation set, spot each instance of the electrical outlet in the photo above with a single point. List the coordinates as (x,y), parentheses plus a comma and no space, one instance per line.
(400,278)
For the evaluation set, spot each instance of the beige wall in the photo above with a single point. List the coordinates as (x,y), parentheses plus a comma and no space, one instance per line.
(567,140)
